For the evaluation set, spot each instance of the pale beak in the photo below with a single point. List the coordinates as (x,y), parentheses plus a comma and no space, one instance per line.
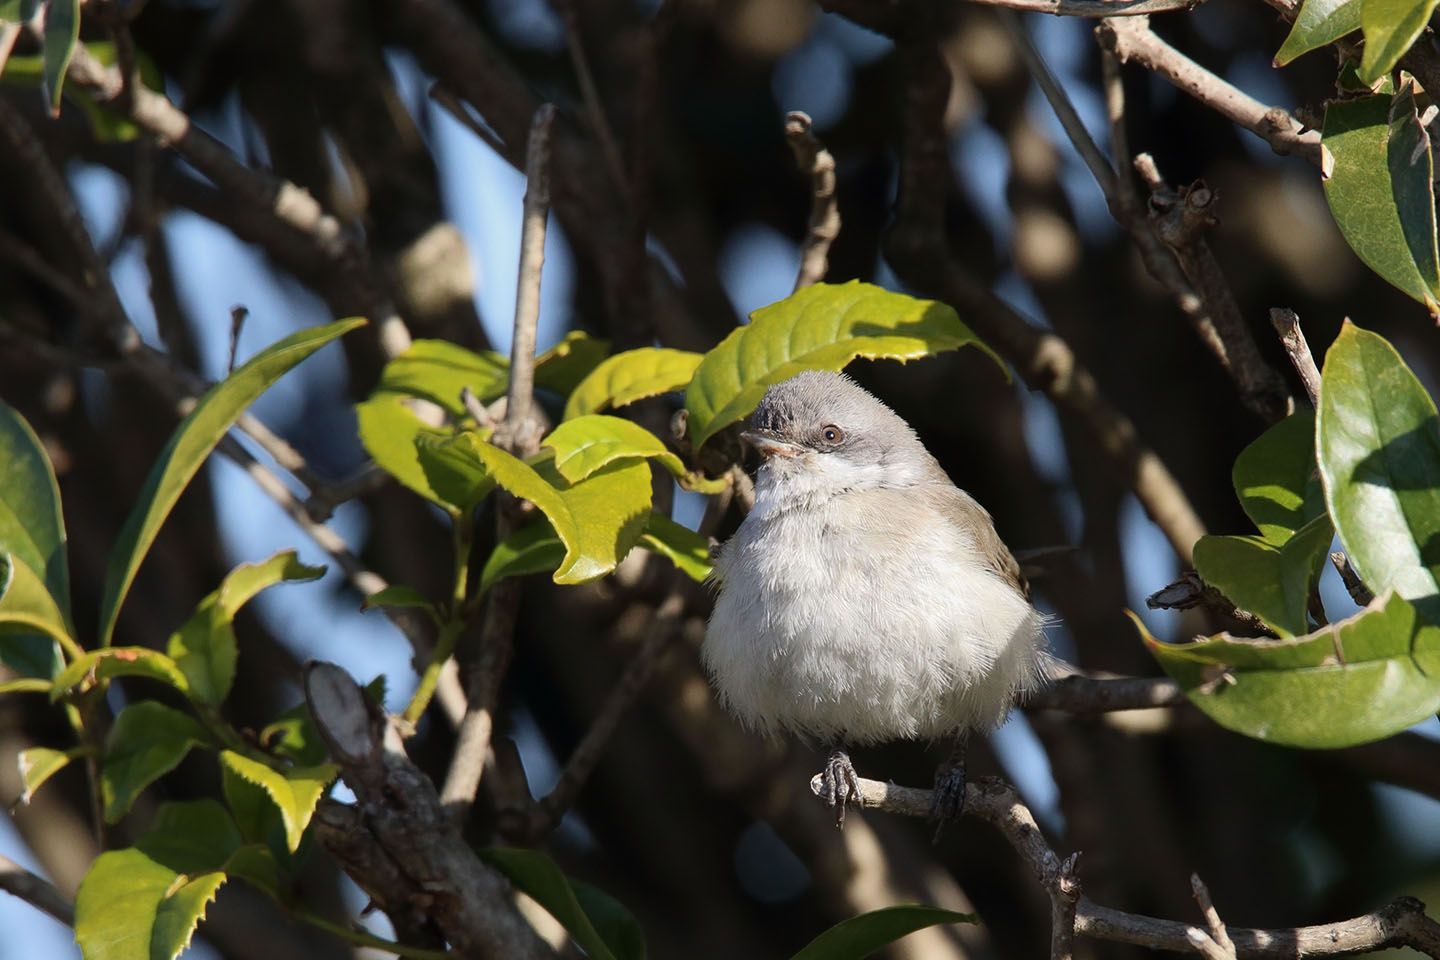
(769,445)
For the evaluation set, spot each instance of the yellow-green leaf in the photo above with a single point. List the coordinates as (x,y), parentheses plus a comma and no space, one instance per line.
(534,548)
(39,764)
(293,793)
(101,665)
(189,445)
(563,366)
(389,430)
(684,547)
(822,326)
(1390,27)
(630,376)
(438,370)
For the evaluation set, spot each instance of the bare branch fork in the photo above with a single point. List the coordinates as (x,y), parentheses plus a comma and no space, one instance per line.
(812,158)
(1402,922)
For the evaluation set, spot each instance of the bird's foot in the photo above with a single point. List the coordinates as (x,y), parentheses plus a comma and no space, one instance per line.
(947,801)
(842,786)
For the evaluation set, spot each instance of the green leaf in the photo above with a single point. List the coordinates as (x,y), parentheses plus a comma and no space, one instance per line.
(189,445)
(1276,480)
(101,665)
(452,472)
(1272,580)
(31,655)
(1380,191)
(1320,22)
(143,903)
(616,925)
(1358,680)
(1390,27)
(534,548)
(389,430)
(147,741)
(438,370)
(599,519)
(294,793)
(821,326)
(684,547)
(397,595)
(563,366)
(861,936)
(293,737)
(255,863)
(615,937)
(587,443)
(630,376)
(27,608)
(205,648)
(1378,442)
(32,528)
(107,125)
(39,764)
(62,32)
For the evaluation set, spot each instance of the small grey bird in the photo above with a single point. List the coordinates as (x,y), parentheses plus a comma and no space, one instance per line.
(865,597)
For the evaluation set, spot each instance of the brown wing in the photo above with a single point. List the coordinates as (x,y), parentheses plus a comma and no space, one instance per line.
(974,520)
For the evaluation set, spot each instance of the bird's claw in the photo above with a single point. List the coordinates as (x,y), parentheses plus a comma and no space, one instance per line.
(842,786)
(947,801)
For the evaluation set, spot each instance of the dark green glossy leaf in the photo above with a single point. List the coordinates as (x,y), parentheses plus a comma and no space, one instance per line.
(822,326)
(1319,22)
(1379,453)
(537,876)
(684,547)
(204,648)
(1358,680)
(630,376)
(1390,27)
(189,445)
(1380,192)
(32,527)
(62,32)
(147,741)
(616,925)
(861,936)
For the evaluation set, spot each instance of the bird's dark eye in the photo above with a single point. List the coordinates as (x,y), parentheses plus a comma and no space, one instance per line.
(832,433)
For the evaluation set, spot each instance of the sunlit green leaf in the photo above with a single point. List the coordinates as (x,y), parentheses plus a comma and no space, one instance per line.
(204,648)
(1318,23)
(630,376)
(587,443)
(294,793)
(1361,679)
(1379,453)
(563,366)
(389,429)
(1390,27)
(615,937)
(822,326)
(1380,190)
(39,764)
(32,528)
(858,937)
(1276,480)
(438,370)
(683,547)
(102,665)
(189,445)
(147,741)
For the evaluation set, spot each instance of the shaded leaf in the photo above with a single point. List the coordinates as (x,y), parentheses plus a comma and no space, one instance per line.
(1380,193)
(1319,22)
(861,936)
(452,472)
(1390,27)
(294,793)
(822,326)
(683,547)
(62,32)
(537,876)
(1271,579)
(598,519)
(120,662)
(563,366)
(1361,679)
(293,737)
(39,764)
(1378,443)
(31,655)
(388,429)
(438,370)
(630,376)
(189,445)
(534,548)
(204,648)
(32,527)
(1276,480)
(26,609)
(397,595)
(147,741)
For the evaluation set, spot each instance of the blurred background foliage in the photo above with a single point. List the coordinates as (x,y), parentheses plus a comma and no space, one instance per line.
(708,835)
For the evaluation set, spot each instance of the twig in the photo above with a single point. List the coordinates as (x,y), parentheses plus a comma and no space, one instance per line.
(1213,943)
(1287,326)
(812,158)
(1130,38)
(1402,922)
(36,891)
(587,752)
(1064,889)
(1079,693)
(454,106)
(322,502)
(519,431)
(1180,219)
(1359,592)
(1190,591)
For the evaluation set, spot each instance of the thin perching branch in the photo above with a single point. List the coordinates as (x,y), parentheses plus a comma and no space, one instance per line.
(36,891)
(1214,942)
(1287,327)
(1402,922)
(812,158)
